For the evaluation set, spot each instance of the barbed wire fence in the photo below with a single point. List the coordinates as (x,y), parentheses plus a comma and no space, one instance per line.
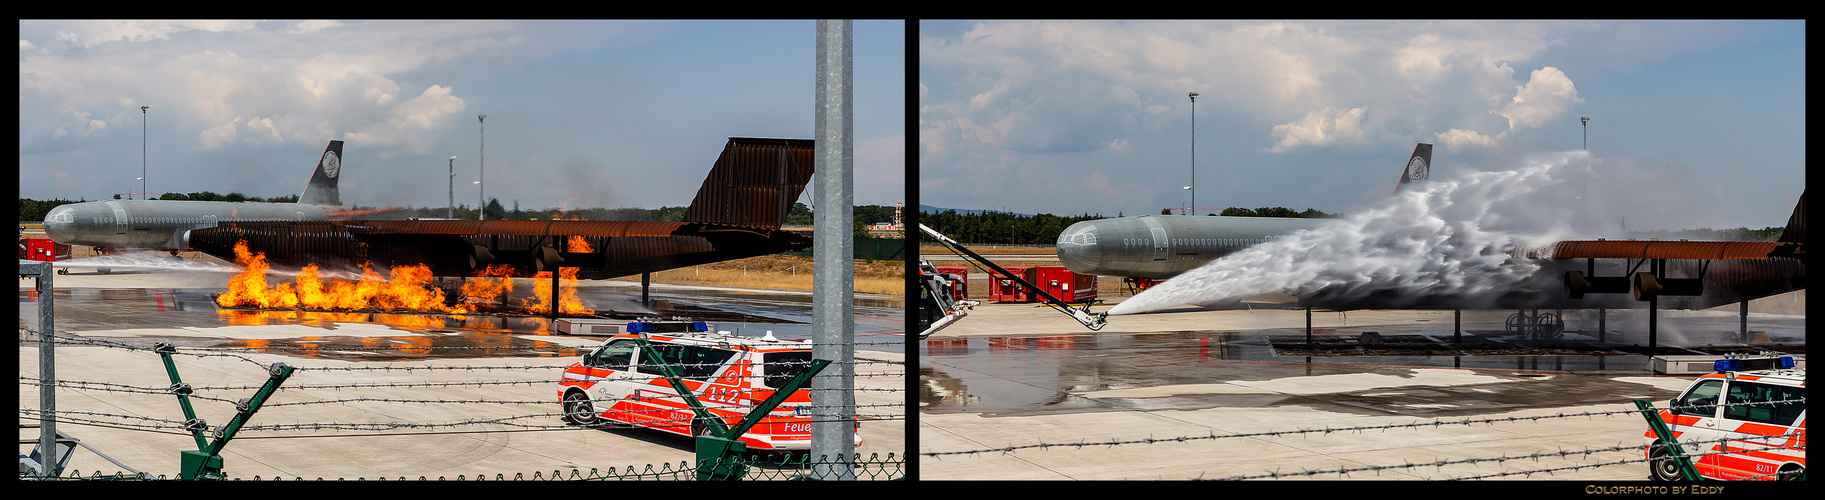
(547,419)
(1634,453)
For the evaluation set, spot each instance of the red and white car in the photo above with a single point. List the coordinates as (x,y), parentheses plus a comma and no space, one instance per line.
(729,375)
(1730,438)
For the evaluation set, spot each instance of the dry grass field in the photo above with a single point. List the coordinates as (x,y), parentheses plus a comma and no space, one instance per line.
(885,277)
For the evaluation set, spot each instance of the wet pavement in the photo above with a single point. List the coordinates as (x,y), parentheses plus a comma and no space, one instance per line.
(1021,375)
(119,312)
(1010,376)
(385,394)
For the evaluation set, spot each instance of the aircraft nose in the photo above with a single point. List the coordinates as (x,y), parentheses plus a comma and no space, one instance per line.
(60,224)
(1078,249)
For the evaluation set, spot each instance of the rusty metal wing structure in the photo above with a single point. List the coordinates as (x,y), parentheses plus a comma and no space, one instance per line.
(1710,273)
(737,214)
(754,182)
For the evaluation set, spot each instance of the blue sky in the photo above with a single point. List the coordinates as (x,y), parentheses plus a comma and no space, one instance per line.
(580,113)
(1693,123)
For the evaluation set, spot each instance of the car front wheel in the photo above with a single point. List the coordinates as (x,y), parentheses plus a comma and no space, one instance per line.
(1662,467)
(579,410)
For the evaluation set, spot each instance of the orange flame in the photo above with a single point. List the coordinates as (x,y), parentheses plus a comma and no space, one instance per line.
(578,245)
(488,285)
(564,210)
(406,290)
(568,304)
(249,289)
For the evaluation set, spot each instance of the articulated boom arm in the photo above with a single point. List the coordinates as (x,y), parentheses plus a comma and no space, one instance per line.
(1093,321)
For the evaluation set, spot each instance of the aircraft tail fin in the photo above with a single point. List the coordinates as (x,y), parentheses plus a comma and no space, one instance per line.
(322,187)
(1418,166)
(754,182)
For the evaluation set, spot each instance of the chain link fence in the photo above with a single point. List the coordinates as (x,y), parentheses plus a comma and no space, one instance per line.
(757,468)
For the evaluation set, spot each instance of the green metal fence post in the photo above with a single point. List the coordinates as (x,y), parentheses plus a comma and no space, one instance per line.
(195,425)
(1664,437)
(246,407)
(719,450)
(206,461)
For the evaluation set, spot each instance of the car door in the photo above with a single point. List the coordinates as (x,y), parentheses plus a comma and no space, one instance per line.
(612,362)
(1696,423)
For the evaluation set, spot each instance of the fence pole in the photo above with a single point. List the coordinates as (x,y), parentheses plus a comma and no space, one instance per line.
(833,271)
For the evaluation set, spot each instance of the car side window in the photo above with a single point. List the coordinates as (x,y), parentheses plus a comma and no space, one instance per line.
(692,362)
(1753,402)
(1701,401)
(614,356)
(779,367)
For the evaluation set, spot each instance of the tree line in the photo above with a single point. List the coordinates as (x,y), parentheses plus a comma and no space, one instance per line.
(1310,213)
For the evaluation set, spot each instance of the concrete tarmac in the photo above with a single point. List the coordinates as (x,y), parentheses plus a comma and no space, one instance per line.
(419,411)
(1022,392)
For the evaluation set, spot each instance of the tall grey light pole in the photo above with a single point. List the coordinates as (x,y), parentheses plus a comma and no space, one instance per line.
(1587,131)
(452,213)
(1194,153)
(142,152)
(482,203)
(1584,190)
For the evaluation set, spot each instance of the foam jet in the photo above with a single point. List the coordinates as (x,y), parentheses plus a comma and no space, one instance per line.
(1162,246)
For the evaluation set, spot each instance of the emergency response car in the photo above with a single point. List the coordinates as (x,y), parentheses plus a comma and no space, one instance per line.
(1747,421)
(729,375)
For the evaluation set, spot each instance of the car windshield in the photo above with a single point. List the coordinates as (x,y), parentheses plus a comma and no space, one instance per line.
(1701,400)
(614,355)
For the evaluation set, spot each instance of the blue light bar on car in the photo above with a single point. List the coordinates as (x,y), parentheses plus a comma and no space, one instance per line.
(1742,364)
(672,327)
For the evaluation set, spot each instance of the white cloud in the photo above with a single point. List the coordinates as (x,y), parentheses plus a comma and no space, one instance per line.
(228,83)
(92,33)
(316,25)
(407,124)
(1456,140)
(1548,94)
(220,135)
(1319,128)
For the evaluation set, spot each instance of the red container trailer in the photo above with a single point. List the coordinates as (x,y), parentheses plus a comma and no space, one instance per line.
(1064,284)
(1002,289)
(42,250)
(959,289)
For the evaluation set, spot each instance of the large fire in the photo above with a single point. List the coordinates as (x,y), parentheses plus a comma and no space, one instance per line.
(407,289)
(540,303)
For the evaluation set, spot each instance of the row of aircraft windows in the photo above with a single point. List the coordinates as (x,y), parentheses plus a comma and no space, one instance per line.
(1196,241)
(187,220)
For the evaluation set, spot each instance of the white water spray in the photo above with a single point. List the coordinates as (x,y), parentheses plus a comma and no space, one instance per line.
(1449,237)
(148,262)
(157,263)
